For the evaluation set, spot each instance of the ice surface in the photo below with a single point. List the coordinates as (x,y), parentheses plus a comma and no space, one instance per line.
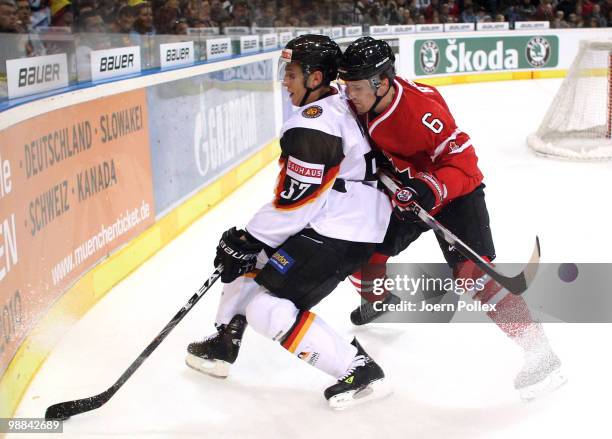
(450,381)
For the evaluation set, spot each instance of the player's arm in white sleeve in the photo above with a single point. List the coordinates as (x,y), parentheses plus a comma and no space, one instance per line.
(310,162)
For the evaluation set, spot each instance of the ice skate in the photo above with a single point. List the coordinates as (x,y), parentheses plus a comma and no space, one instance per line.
(363,382)
(366,313)
(541,374)
(214,355)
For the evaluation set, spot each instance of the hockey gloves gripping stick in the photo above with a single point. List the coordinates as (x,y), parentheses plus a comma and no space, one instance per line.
(237,251)
(424,189)
(516,284)
(64,410)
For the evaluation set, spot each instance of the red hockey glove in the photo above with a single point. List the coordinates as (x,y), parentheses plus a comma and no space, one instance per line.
(424,189)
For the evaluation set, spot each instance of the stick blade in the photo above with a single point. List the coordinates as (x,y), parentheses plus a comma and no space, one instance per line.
(65,410)
(532,266)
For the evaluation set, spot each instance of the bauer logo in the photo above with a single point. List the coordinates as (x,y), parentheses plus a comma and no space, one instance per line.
(218,48)
(26,76)
(484,54)
(281,261)
(538,51)
(176,54)
(429,57)
(110,63)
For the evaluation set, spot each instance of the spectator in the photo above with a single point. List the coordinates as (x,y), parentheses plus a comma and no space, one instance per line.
(606,7)
(180,27)
(91,22)
(267,16)
(468,16)
(567,6)
(123,24)
(407,17)
(143,24)
(558,22)
(108,10)
(192,12)
(446,13)
(499,18)
(512,14)
(204,15)
(482,16)
(9,22)
(596,15)
(374,16)
(392,14)
(61,14)
(453,9)
(526,11)
(41,13)
(24,16)
(545,11)
(587,7)
(428,12)
(240,15)
(86,6)
(165,17)
(217,13)
(32,43)
(90,27)
(572,20)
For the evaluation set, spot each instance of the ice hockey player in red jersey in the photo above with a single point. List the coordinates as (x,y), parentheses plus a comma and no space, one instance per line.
(435,162)
(308,238)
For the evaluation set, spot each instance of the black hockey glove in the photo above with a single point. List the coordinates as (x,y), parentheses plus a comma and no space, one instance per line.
(237,251)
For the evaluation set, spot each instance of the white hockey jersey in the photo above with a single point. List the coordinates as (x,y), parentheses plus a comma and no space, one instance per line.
(326,181)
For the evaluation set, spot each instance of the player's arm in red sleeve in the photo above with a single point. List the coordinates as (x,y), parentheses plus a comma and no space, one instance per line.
(451,151)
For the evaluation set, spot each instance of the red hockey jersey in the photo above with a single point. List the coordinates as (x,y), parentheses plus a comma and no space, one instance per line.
(417,133)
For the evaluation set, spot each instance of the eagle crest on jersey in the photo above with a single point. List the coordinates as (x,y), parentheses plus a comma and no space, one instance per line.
(312,112)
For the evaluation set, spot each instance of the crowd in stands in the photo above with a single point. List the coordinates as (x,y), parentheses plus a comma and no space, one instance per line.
(176,16)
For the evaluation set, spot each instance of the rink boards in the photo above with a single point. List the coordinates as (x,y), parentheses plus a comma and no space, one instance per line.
(97,180)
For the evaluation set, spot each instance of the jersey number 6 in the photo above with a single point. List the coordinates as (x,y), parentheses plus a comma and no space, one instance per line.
(435,125)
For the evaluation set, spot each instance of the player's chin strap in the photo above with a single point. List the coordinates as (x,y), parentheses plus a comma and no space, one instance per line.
(309,89)
(375,84)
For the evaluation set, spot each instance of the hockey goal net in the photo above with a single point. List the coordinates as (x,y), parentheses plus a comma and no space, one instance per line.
(578,123)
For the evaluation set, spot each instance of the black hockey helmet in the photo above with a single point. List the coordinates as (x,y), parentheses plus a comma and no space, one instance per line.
(367,58)
(313,52)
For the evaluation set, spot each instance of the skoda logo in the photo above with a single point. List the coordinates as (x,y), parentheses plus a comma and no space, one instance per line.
(538,51)
(429,56)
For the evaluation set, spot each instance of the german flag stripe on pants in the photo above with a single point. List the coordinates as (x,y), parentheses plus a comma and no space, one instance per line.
(299,330)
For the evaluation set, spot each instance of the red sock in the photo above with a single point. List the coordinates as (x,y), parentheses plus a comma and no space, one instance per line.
(511,315)
(363,280)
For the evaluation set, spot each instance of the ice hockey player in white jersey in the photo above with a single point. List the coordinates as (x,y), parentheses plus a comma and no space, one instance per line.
(323,222)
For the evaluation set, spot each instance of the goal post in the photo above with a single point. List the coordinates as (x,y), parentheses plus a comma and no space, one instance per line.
(578,124)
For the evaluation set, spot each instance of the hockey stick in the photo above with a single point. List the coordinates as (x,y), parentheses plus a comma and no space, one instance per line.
(515,284)
(64,410)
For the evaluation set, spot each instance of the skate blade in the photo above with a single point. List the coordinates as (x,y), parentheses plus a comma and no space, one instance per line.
(215,368)
(375,390)
(548,385)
